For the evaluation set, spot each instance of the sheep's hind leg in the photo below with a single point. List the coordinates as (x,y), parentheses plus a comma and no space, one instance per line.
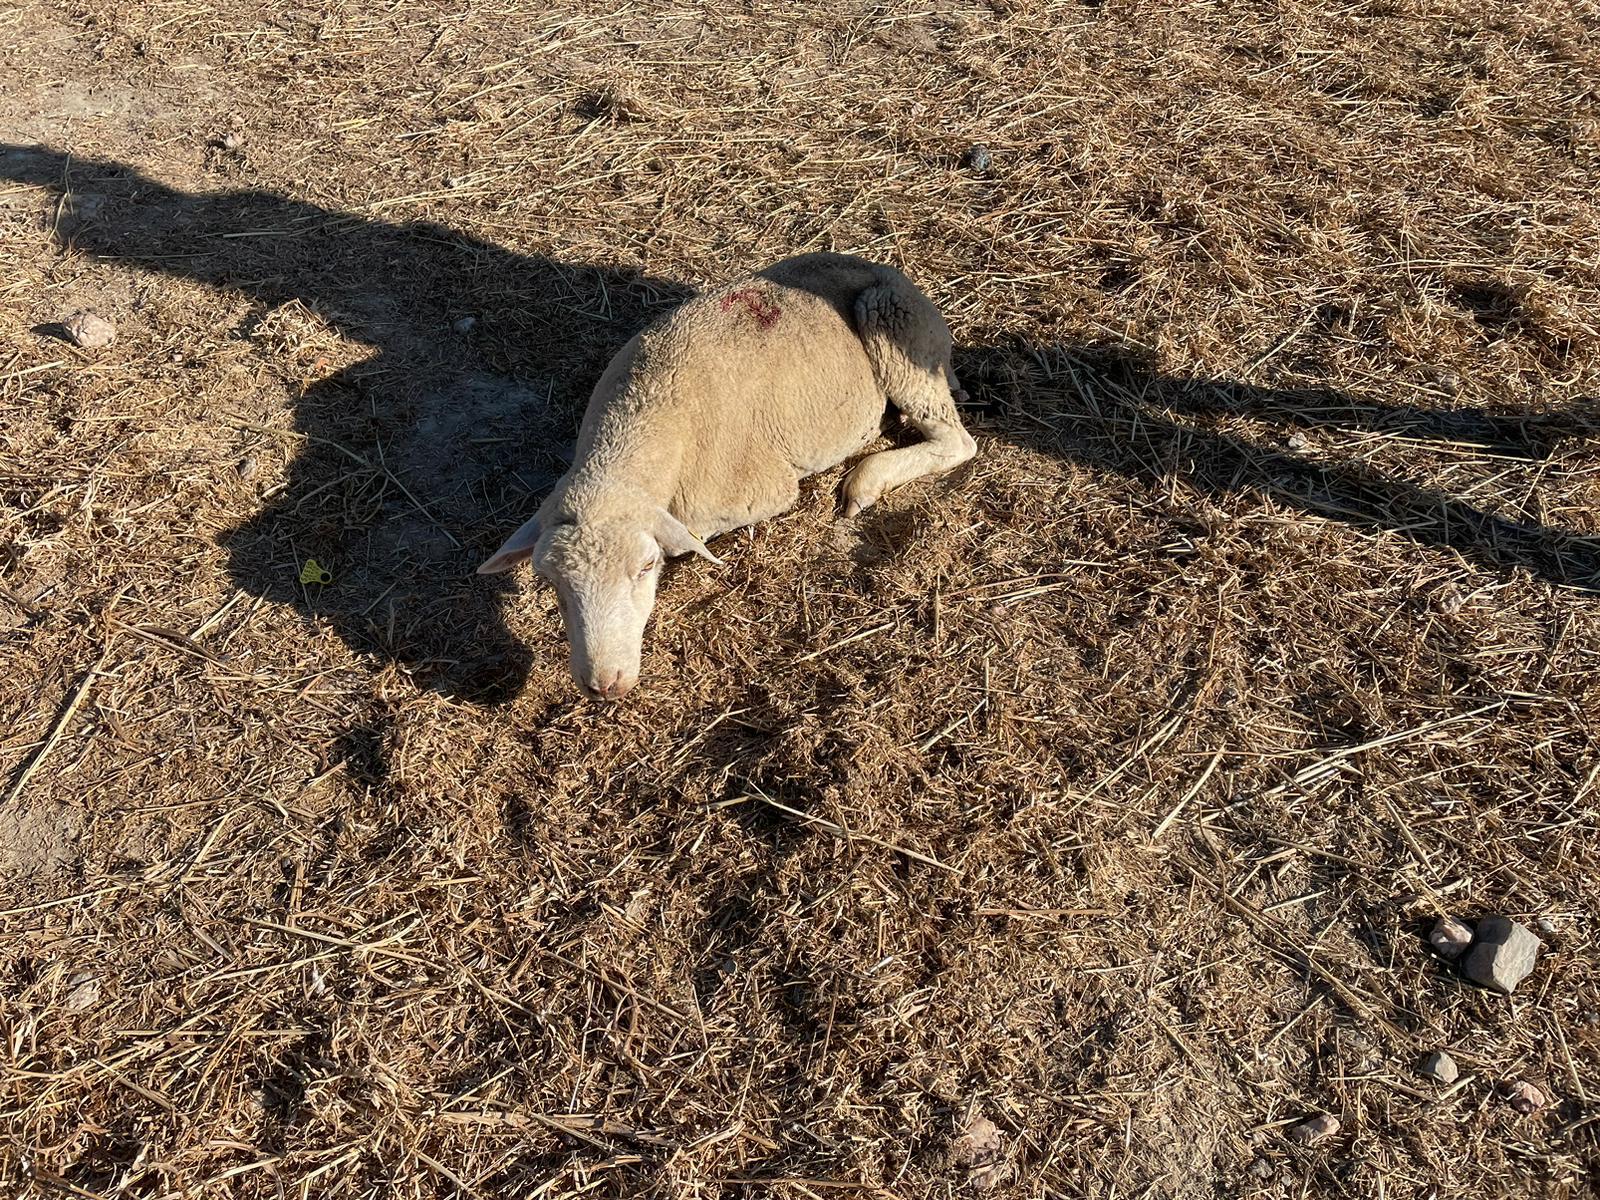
(910,352)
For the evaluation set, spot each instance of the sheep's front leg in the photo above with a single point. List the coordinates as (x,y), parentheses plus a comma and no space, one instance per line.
(932,412)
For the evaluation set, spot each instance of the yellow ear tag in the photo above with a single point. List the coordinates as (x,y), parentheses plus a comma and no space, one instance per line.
(314,572)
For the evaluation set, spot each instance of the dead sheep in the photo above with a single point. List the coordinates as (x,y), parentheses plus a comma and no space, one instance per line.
(708,420)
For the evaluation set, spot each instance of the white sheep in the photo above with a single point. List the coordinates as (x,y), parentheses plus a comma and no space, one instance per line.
(708,420)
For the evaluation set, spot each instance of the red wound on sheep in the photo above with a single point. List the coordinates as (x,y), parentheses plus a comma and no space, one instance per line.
(758,306)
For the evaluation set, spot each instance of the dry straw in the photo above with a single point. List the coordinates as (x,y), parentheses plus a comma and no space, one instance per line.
(1095,799)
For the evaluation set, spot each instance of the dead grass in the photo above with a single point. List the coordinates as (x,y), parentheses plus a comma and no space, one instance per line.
(1102,793)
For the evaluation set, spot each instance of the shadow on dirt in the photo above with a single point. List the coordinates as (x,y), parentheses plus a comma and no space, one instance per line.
(1109,410)
(412,465)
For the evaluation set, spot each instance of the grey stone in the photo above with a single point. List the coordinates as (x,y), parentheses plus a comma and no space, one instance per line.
(84,994)
(1503,954)
(1439,1066)
(89,330)
(1524,1097)
(1450,937)
(1319,1128)
(979,158)
(980,1148)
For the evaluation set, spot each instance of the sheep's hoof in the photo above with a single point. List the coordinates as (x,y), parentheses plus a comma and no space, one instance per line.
(857,502)
(857,499)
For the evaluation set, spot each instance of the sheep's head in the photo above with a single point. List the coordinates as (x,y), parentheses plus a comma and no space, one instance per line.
(605,574)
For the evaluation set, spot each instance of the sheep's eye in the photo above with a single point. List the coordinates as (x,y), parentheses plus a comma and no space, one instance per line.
(647,568)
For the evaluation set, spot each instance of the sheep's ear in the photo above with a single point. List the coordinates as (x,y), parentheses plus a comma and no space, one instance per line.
(518,549)
(674,537)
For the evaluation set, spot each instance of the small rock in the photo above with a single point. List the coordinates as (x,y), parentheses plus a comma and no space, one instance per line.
(1450,937)
(1261,1169)
(1545,925)
(464,324)
(979,159)
(1524,1097)
(1317,1129)
(979,1149)
(1503,954)
(1439,1066)
(84,994)
(1449,600)
(1297,441)
(89,330)
(247,467)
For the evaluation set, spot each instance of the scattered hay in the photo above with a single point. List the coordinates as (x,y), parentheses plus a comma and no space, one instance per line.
(1107,790)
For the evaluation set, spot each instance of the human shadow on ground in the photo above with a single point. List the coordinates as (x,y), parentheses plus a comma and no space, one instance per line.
(410,467)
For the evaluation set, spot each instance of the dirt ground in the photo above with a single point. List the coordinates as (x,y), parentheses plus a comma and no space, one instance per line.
(1070,827)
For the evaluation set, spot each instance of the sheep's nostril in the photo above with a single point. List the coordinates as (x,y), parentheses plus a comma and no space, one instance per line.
(609,686)
(613,686)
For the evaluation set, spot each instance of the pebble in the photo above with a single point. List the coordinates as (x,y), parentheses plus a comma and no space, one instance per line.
(85,993)
(980,1149)
(464,324)
(1450,937)
(247,466)
(1524,1097)
(1545,925)
(1439,1066)
(231,140)
(979,158)
(1317,1129)
(1297,441)
(1503,954)
(89,330)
